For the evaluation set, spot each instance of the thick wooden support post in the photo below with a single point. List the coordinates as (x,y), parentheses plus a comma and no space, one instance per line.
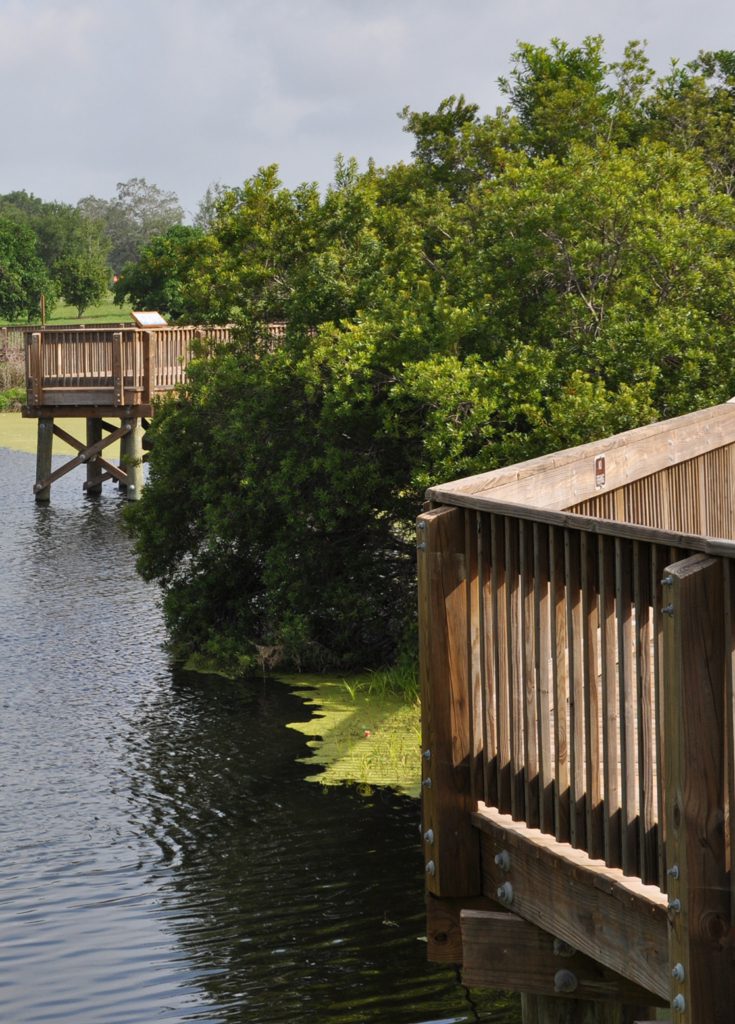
(700,944)
(94,434)
(451,844)
(133,456)
(44,451)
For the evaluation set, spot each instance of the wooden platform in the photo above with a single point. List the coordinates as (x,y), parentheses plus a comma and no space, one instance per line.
(102,374)
(576,635)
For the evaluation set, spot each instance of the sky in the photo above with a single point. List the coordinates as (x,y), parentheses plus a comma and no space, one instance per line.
(185,93)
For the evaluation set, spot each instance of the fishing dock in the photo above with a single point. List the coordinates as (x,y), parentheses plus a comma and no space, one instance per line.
(103,374)
(577,644)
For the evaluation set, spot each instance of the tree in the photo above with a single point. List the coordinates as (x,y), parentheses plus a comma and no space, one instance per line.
(518,288)
(137,214)
(23,277)
(160,279)
(71,247)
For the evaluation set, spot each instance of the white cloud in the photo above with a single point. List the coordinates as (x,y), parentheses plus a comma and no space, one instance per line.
(184,92)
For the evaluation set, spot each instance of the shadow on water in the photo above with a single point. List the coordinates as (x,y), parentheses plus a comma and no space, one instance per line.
(161,856)
(291,900)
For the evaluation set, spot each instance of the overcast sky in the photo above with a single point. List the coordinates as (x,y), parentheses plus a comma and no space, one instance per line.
(188,92)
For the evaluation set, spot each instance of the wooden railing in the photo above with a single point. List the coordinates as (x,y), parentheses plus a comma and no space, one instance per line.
(104,367)
(577,680)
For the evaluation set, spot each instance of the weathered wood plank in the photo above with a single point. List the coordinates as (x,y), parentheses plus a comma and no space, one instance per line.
(500,613)
(443,928)
(487,611)
(699,933)
(610,702)
(451,845)
(616,920)
(568,477)
(545,711)
(502,951)
(560,683)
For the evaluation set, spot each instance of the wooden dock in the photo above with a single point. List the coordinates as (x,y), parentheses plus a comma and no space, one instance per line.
(103,374)
(577,649)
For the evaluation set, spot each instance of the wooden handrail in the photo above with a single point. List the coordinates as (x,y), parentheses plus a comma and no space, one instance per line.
(563,664)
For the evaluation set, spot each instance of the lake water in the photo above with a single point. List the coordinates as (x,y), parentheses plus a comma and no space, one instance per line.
(162,857)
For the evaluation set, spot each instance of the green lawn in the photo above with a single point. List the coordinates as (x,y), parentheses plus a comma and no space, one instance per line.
(105,313)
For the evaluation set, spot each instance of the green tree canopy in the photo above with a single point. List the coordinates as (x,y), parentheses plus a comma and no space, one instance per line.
(555,272)
(23,277)
(138,212)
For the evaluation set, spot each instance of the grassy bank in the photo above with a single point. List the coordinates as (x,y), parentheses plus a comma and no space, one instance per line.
(364,729)
(105,312)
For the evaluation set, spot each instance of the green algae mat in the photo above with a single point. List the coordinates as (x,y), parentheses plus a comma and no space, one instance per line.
(358,736)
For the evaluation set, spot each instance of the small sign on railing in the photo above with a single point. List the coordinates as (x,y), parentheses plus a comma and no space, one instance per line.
(149,319)
(600,471)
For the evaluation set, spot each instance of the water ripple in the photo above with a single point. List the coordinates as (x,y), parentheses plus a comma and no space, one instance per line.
(161,856)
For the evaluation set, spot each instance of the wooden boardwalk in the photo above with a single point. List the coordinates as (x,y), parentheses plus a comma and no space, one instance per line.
(577,648)
(103,374)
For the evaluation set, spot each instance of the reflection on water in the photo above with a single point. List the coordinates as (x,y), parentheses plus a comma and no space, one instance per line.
(161,856)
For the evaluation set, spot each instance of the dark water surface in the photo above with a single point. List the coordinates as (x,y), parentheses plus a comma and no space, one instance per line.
(161,856)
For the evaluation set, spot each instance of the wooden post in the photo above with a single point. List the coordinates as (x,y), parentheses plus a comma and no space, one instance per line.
(148,367)
(134,455)
(451,844)
(34,368)
(700,945)
(94,434)
(118,380)
(44,450)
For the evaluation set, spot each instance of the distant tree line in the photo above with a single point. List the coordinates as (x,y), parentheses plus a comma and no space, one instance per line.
(72,252)
(542,276)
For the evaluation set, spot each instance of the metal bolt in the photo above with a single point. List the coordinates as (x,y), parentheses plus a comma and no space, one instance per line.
(677,972)
(505,893)
(426,783)
(431,868)
(563,948)
(421,525)
(421,546)
(429,835)
(565,981)
(667,581)
(427,755)
(673,871)
(668,610)
(502,859)
(675,906)
(679,1004)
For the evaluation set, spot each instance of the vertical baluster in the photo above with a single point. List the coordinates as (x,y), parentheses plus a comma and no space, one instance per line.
(502,658)
(560,677)
(648,840)
(474,689)
(659,561)
(610,702)
(576,679)
(515,640)
(627,695)
(545,715)
(527,643)
(592,698)
(488,660)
